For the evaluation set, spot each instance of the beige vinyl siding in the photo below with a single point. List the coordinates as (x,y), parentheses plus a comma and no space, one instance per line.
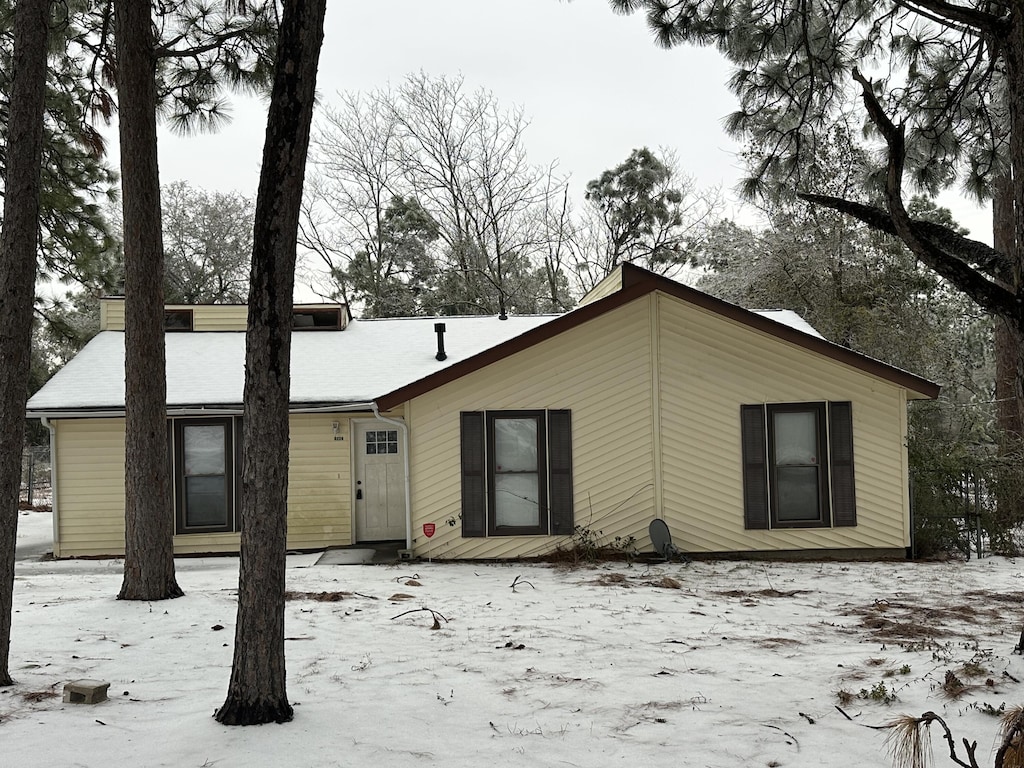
(90,487)
(609,285)
(319,501)
(205,317)
(319,479)
(601,371)
(659,358)
(709,366)
(111,314)
(217,317)
(90,480)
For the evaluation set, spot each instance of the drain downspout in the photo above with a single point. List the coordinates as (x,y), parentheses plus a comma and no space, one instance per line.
(405,457)
(53,481)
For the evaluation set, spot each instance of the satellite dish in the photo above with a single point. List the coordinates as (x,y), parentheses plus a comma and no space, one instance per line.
(661,538)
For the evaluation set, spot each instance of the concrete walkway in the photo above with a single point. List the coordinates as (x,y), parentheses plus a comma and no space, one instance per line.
(384,552)
(35,535)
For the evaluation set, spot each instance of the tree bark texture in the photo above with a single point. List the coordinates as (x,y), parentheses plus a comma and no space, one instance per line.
(1014,238)
(1009,341)
(256,691)
(1009,374)
(18,245)
(149,517)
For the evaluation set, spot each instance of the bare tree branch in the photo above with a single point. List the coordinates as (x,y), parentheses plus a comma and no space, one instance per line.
(986,293)
(982,256)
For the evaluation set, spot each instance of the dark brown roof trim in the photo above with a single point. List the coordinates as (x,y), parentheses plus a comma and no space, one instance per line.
(637,282)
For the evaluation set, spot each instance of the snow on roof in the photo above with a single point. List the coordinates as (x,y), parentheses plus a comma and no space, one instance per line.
(370,358)
(366,360)
(790,318)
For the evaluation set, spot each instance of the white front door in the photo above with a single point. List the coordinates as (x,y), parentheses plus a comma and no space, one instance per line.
(379,482)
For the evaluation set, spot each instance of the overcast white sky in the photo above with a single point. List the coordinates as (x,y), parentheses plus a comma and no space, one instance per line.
(594,85)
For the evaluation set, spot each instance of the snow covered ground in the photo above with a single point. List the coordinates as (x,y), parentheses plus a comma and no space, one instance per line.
(717,664)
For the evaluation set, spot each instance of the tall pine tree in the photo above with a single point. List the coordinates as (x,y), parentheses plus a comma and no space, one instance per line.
(18,243)
(256,691)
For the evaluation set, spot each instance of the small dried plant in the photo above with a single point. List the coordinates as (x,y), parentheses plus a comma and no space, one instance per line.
(909,742)
(1010,753)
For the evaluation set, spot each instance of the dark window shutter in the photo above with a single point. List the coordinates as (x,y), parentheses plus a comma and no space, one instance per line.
(844,497)
(474,504)
(237,479)
(560,463)
(755,467)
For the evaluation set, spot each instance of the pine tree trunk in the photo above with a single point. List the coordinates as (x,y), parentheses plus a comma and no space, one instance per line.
(1008,338)
(148,514)
(1009,389)
(18,244)
(256,692)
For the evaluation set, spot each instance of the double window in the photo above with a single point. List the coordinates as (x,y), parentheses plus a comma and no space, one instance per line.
(798,465)
(204,462)
(516,473)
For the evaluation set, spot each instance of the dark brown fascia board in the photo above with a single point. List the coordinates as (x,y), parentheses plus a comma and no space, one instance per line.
(637,282)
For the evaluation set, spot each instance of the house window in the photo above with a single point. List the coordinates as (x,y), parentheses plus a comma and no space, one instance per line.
(316,319)
(516,473)
(177,319)
(798,465)
(204,475)
(517,500)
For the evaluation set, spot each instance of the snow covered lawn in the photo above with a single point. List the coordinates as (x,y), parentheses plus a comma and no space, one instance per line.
(716,664)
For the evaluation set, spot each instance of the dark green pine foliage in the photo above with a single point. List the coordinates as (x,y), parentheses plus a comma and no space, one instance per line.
(794,60)
(641,209)
(945,103)
(76,183)
(391,276)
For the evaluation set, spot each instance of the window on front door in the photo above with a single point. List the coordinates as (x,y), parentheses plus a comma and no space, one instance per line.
(381,441)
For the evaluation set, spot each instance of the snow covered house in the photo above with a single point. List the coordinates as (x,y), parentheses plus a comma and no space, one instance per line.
(746,431)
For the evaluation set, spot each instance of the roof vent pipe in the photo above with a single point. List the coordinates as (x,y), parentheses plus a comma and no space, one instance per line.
(439,330)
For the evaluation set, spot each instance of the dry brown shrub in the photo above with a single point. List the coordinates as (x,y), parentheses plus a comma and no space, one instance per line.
(610,580)
(902,620)
(952,686)
(320,597)
(763,593)
(667,582)
(999,597)
(900,630)
(34,697)
(777,642)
